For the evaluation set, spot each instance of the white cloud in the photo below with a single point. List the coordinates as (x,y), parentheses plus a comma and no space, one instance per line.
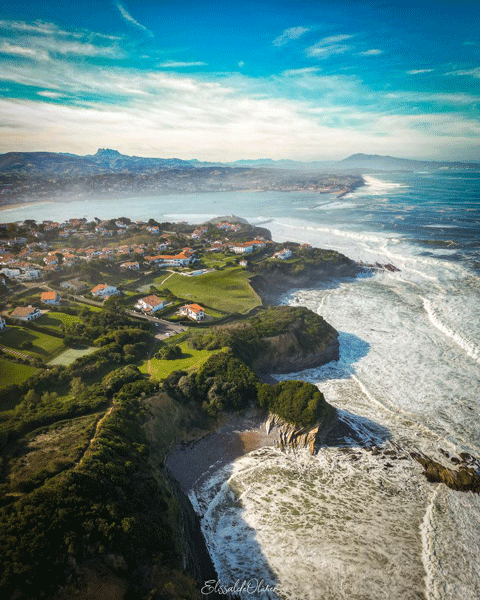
(418,71)
(37,27)
(472,72)
(300,72)
(334,39)
(15,50)
(329,46)
(128,17)
(49,94)
(293,33)
(372,52)
(226,119)
(175,64)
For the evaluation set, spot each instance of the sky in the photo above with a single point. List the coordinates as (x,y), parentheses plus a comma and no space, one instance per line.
(284,79)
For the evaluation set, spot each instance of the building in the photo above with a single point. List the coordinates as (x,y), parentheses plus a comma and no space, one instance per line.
(172,260)
(151,304)
(193,311)
(25,313)
(3,323)
(103,290)
(134,265)
(74,284)
(246,247)
(283,254)
(50,298)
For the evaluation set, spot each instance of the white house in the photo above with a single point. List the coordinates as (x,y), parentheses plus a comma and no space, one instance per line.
(133,265)
(103,290)
(151,304)
(243,248)
(73,284)
(283,254)
(25,313)
(173,260)
(50,298)
(193,311)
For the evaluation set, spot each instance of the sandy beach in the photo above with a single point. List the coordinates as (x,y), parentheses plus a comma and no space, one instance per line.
(191,463)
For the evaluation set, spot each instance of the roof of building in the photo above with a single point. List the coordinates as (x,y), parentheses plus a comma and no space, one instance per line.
(48,295)
(153,300)
(195,307)
(23,311)
(100,286)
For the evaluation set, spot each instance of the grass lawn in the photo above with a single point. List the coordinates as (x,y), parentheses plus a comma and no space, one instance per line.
(44,346)
(11,372)
(159,369)
(227,290)
(69,356)
(55,320)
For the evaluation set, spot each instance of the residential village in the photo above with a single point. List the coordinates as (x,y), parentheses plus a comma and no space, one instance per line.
(174,275)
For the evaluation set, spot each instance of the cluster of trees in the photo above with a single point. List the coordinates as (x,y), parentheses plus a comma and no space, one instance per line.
(223,383)
(297,402)
(95,325)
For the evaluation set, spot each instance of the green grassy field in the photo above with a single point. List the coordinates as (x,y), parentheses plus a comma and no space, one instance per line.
(11,372)
(69,356)
(43,346)
(159,369)
(55,320)
(227,290)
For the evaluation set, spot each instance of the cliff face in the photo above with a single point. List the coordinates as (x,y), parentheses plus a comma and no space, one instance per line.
(276,279)
(283,354)
(291,436)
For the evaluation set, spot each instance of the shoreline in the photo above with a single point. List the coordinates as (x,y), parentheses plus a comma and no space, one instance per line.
(191,463)
(18,205)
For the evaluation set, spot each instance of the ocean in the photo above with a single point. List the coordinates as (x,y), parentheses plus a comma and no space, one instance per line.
(350,523)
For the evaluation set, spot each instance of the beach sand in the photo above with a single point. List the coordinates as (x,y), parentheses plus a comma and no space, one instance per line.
(192,463)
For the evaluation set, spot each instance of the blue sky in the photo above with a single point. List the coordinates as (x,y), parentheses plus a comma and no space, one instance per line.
(299,79)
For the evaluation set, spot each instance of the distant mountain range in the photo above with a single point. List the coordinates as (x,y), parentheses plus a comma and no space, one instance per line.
(107,161)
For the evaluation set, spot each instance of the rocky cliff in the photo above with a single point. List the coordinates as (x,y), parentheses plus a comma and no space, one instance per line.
(271,279)
(291,436)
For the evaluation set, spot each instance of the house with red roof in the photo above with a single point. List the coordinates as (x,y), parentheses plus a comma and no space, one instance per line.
(25,313)
(150,304)
(50,298)
(192,311)
(103,290)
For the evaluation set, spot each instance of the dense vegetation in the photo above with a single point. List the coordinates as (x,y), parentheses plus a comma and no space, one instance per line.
(248,338)
(297,402)
(111,504)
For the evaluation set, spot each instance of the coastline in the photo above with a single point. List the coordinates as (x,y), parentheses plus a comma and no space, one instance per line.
(191,463)
(18,205)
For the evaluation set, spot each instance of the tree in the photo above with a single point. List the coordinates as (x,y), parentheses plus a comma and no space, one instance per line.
(76,386)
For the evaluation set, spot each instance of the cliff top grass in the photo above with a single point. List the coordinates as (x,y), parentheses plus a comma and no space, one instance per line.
(227,290)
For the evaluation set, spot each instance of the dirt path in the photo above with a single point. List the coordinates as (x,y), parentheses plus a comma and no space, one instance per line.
(95,434)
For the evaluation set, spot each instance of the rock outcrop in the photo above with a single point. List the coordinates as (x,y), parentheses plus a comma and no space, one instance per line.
(283,353)
(292,436)
(280,278)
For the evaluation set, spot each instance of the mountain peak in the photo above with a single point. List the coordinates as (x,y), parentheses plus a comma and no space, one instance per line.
(107,152)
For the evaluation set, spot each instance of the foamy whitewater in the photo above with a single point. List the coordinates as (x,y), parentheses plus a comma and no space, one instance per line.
(350,523)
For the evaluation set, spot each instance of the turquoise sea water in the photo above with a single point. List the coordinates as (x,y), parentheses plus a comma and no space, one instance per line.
(350,524)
